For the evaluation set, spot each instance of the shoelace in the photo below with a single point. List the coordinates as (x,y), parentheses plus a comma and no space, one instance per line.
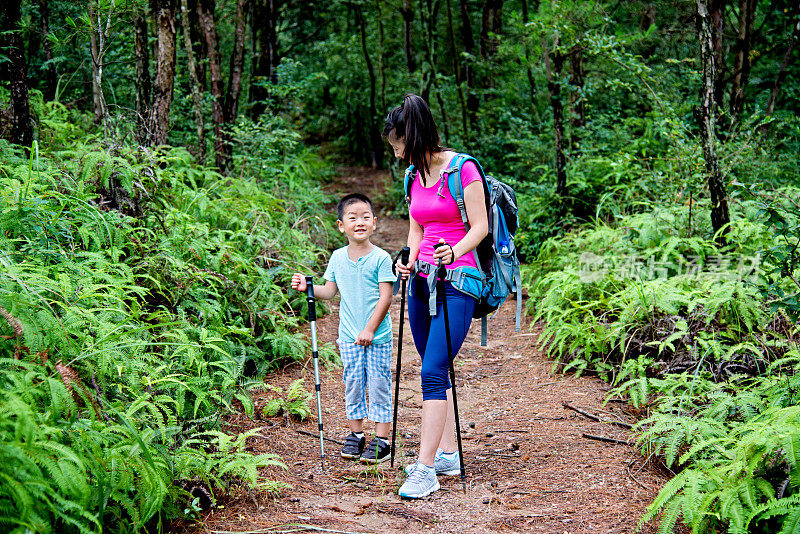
(417,475)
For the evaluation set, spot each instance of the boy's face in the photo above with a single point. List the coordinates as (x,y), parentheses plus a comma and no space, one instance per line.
(358,222)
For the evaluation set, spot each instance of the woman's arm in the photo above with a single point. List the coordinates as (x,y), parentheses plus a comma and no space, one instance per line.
(475,204)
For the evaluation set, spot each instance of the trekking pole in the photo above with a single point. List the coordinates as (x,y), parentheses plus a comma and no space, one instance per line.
(442,273)
(404,253)
(312,318)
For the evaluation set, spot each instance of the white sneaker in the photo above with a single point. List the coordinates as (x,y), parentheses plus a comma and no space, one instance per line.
(420,483)
(442,465)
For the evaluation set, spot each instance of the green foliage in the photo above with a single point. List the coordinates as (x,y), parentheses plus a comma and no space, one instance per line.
(697,335)
(140,292)
(781,212)
(293,402)
(740,451)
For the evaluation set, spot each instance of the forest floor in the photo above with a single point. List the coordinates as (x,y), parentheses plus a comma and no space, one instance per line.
(529,467)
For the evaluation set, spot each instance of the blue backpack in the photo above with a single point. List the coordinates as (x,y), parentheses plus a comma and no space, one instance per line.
(498,271)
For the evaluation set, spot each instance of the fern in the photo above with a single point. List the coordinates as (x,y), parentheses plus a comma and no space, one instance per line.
(156,316)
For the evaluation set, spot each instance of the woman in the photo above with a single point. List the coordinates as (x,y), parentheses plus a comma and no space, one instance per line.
(434,218)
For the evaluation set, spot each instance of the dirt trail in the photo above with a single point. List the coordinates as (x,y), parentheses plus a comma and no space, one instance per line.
(529,469)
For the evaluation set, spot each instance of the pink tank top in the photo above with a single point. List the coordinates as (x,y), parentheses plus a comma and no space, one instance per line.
(435,209)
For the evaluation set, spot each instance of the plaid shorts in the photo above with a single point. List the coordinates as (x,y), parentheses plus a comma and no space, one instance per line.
(367,368)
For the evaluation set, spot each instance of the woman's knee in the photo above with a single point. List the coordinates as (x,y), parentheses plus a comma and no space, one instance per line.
(435,382)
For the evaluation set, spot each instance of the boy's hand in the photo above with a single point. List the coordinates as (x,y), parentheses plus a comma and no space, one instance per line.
(298,282)
(365,338)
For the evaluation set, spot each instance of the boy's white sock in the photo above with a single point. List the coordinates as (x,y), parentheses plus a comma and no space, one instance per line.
(359,435)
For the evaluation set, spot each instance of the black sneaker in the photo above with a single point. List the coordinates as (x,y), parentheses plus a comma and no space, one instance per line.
(353,446)
(376,452)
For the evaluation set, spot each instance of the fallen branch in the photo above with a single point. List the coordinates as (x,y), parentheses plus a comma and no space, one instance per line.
(603,438)
(595,418)
(616,420)
(317,436)
(583,413)
(628,470)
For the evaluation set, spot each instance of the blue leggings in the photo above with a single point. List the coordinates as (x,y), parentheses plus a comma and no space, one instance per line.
(429,333)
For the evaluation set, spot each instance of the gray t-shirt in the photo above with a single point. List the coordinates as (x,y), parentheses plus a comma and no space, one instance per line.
(358,285)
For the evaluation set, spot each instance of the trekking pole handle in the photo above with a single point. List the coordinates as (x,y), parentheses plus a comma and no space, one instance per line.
(405,252)
(437,246)
(312,308)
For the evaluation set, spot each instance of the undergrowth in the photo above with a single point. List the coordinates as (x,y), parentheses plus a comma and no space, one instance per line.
(141,298)
(704,338)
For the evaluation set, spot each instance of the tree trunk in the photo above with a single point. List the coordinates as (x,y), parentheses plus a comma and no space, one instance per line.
(51,77)
(376,145)
(142,86)
(456,70)
(491,23)
(97,71)
(198,44)
(741,70)
(720,216)
(529,71)
(381,51)
(407,12)
(553,71)
(165,70)
(237,63)
(429,16)
(206,12)
(773,96)
(197,102)
(21,124)
(265,23)
(468,40)
(231,107)
(578,109)
(717,13)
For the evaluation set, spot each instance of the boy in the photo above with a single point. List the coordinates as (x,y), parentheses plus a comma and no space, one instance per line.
(362,273)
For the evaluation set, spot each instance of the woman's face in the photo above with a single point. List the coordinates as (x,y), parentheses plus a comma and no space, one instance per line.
(398,145)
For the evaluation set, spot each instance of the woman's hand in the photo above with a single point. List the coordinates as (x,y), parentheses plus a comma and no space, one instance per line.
(444,253)
(403,268)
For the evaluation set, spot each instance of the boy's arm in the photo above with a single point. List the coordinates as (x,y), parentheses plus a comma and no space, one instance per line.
(381,308)
(326,292)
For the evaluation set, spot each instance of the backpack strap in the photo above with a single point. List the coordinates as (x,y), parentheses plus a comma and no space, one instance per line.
(407,183)
(457,191)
